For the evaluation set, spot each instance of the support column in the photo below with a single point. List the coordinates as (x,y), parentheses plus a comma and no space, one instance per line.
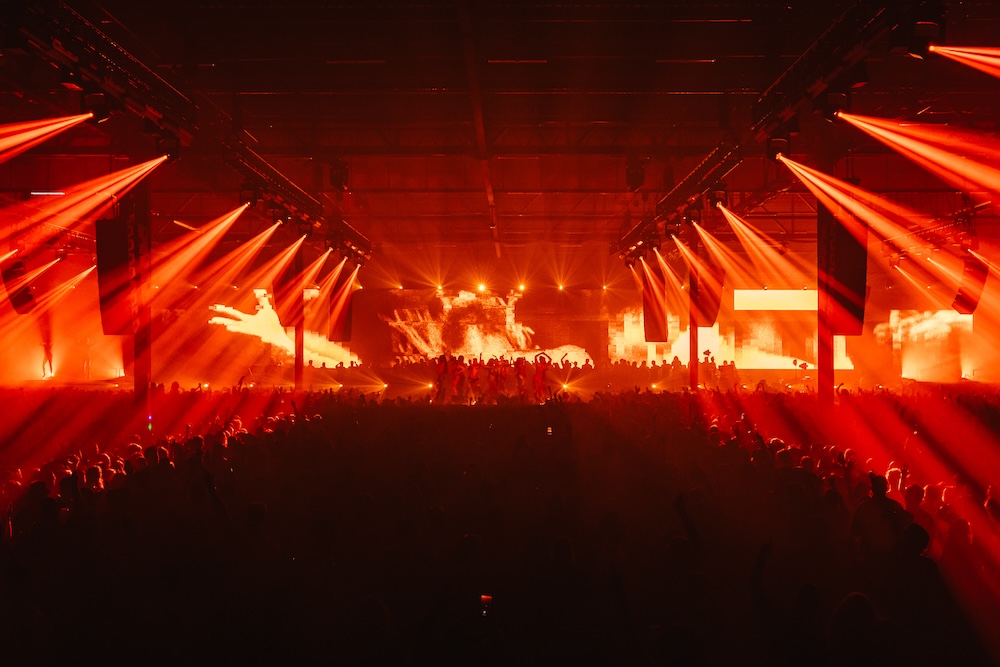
(824,313)
(298,305)
(140,246)
(693,320)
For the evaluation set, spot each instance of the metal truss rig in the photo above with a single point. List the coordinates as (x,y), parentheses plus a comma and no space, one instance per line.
(842,46)
(59,34)
(299,205)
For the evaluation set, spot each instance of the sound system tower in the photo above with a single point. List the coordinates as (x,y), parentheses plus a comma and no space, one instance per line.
(974,275)
(342,309)
(654,311)
(288,299)
(21,298)
(848,275)
(709,298)
(113,281)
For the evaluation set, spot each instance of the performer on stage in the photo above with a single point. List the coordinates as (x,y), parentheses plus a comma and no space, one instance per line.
(47,357)
(542,364)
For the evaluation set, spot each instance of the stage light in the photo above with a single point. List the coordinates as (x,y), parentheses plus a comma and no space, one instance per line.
(692,216)
(560,288)
(168,144)
(635,173)
(520,288)
(440,287)
(482,287)
(718,196)
(249,194)
(776,146)
(832,104)
(97,105)
(339,175)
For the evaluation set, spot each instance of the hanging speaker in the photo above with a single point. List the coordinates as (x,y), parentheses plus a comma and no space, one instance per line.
(709,297)
(113,283)
(971,288)
(288,299)
(654,311)
(21,298)
(847,273)
(342,309)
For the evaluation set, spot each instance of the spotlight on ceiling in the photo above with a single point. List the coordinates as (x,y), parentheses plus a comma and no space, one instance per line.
(249,194)
(168,144)
(635,173)
(97,105)
(339,175)
(692,216)
(776,146)
(718,196)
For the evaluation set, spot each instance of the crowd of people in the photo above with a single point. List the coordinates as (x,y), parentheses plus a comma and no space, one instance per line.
(251,526)
(533,378)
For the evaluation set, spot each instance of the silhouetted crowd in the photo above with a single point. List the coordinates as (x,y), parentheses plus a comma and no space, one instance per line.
(636,528)
(529,379)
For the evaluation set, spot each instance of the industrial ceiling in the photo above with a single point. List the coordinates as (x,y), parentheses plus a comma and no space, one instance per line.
(491,132)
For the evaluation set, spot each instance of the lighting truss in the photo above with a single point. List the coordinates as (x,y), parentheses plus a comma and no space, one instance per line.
(841,47)
(296,203)
(59,34)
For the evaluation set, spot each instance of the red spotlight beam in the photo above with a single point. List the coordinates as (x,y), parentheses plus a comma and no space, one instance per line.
(854,207)
(227,268)
(81,203)
(956,168)
(709,281)
(676,296)
(176,342)
(936,299)
(187,252)
(15,138)
(290,291)
(341,299)
(984,59)
(726,258)
(27,278)
(761,249)
(325,291)
(46,302)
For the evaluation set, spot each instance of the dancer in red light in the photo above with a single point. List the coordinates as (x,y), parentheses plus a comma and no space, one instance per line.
(521,377)
(474,368)
(457,370)
(542,363)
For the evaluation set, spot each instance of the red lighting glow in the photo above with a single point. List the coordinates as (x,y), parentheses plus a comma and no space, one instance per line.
(15,138)
(966,160)
(983,58)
